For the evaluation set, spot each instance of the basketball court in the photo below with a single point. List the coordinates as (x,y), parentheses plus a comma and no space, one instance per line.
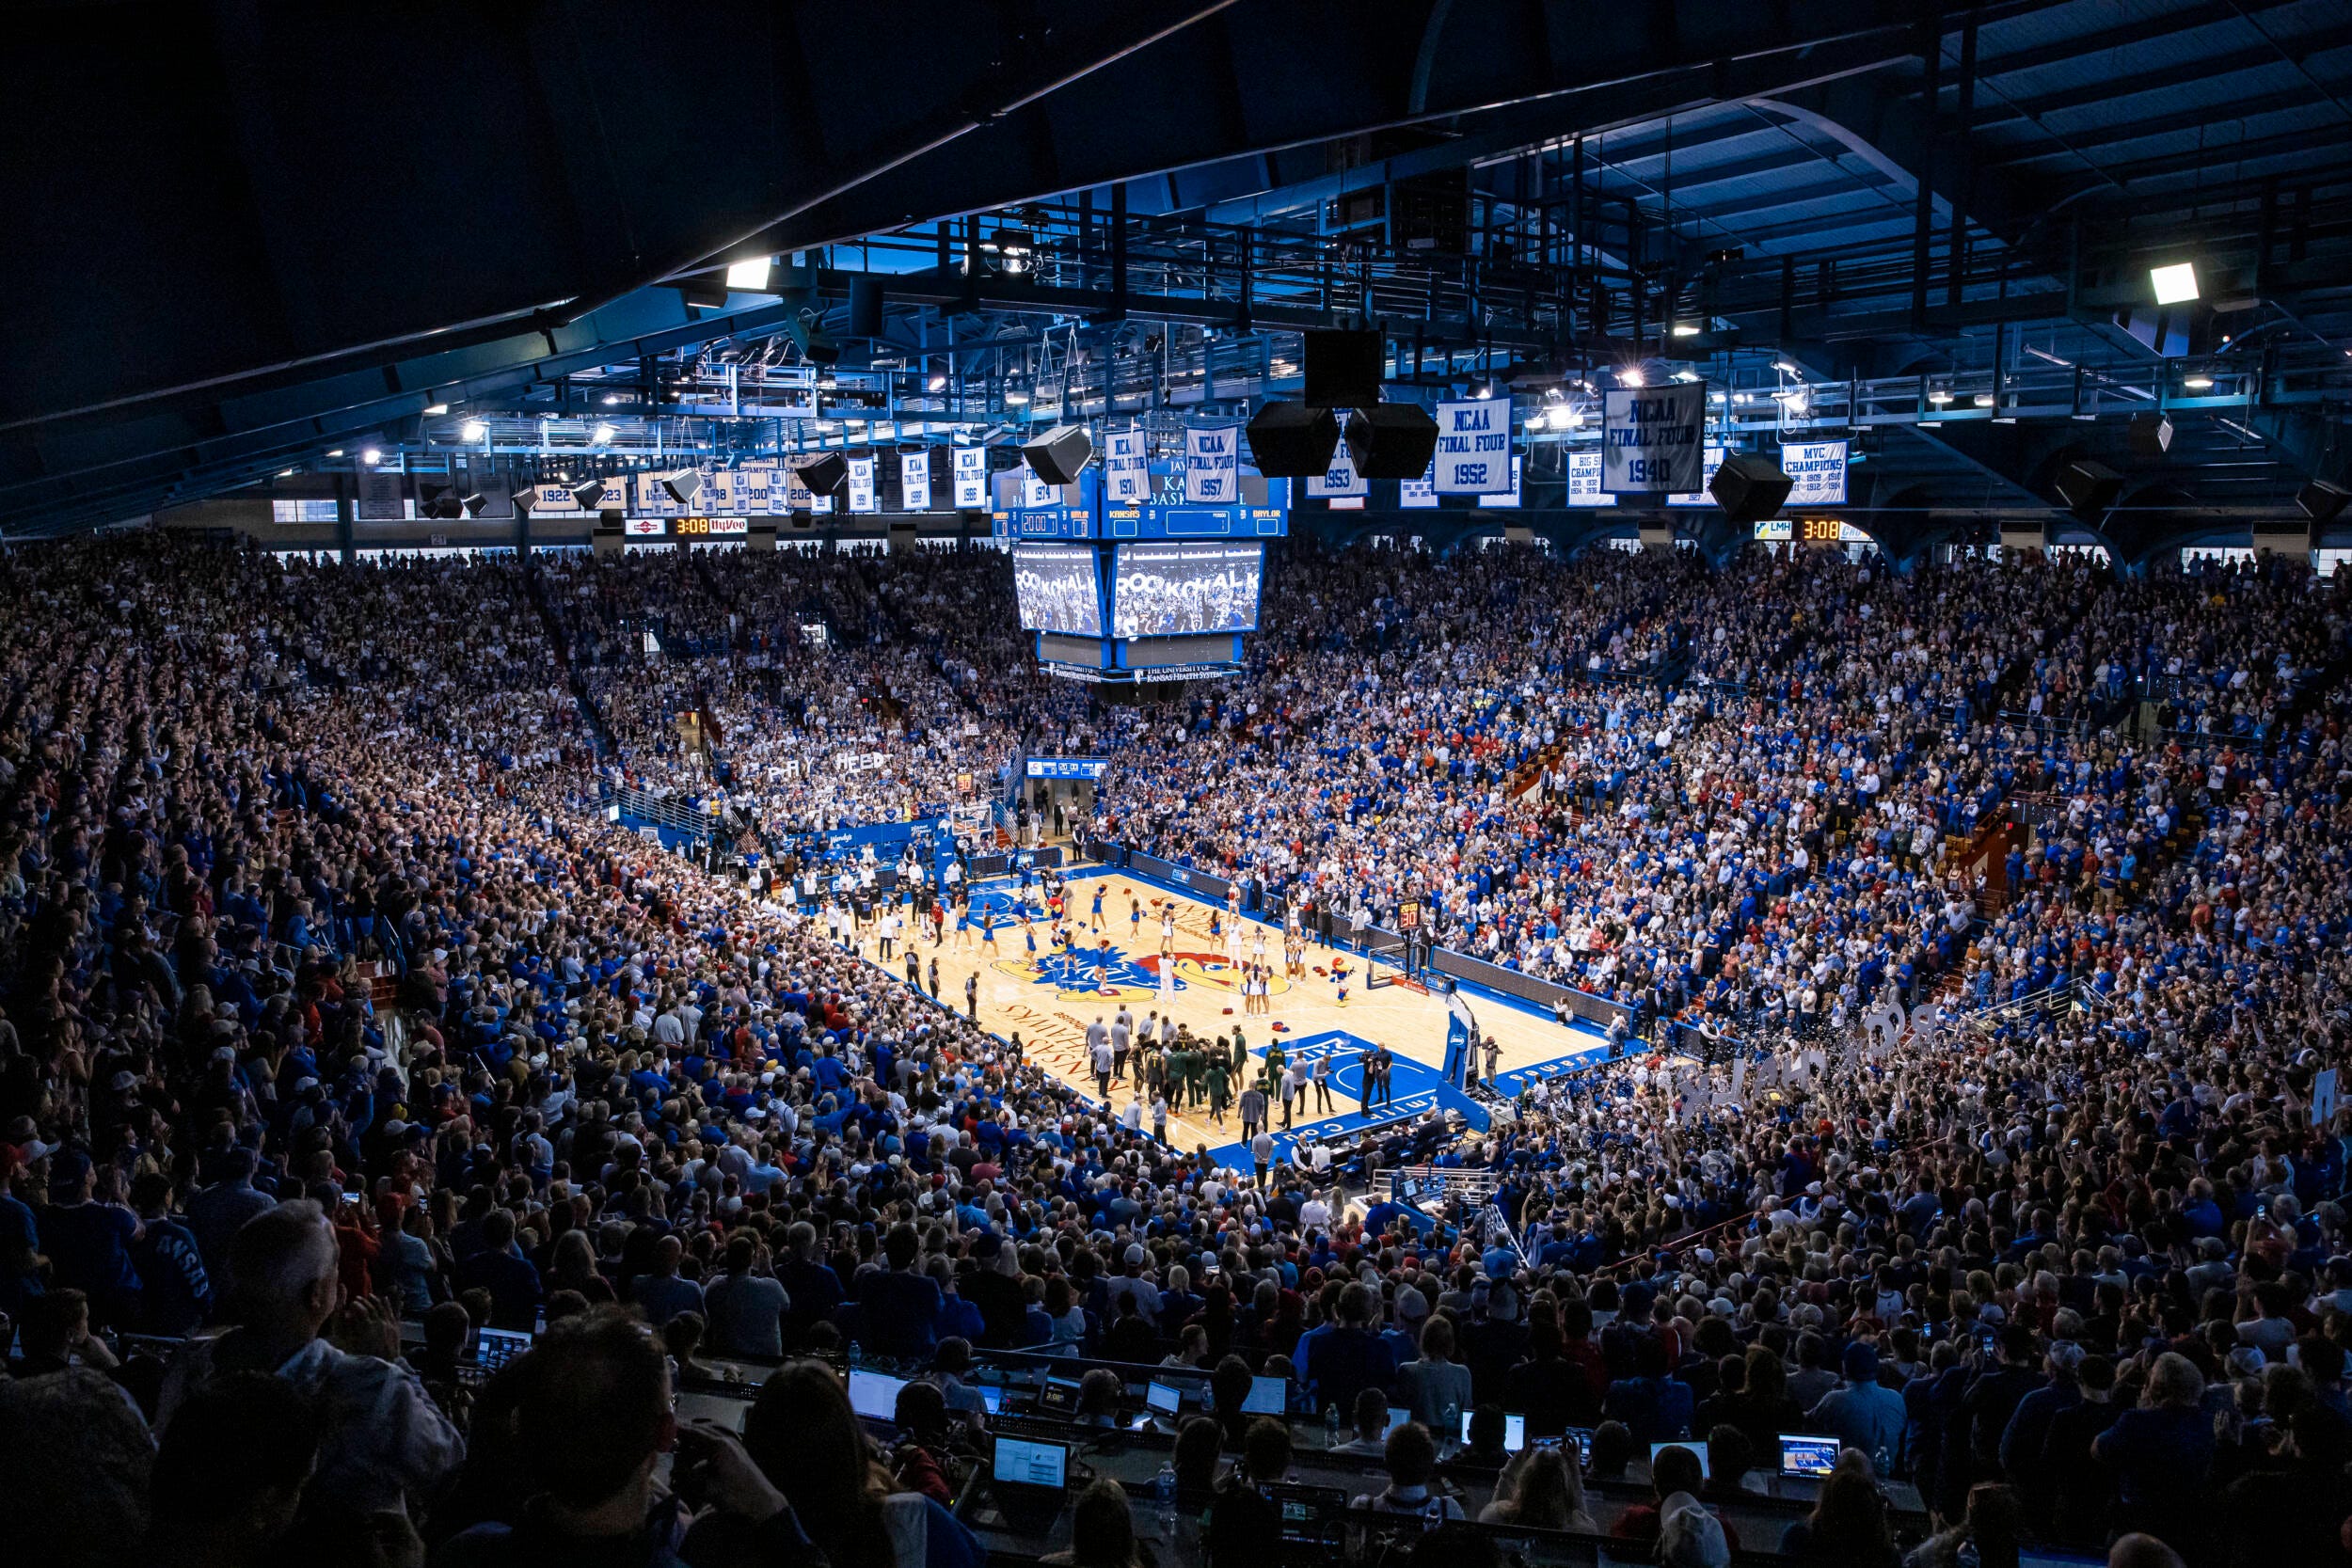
(1050,997)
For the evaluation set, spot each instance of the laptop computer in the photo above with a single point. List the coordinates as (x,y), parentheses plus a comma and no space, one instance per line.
(1269,1396)
(1698,1449)
(1029,1480)
(1807,1458)
(875,1394)
(1310,1514)
(1513,1430)
(1058,1396)
(1163,1398)
(494,1347)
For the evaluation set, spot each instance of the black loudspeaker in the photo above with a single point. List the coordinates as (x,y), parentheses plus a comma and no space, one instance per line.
(1059,453)
(1749,488)
(2089,486)
(826,475)
(1344,369)
(475,503)
(2321,500)
(524,499)
(2152,435)
(1293,441)
(442,503)
(682,487)
(1391,440)
(587,495)
(866,308)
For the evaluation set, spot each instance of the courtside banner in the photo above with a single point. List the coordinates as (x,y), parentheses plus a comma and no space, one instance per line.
(1474,448)
(971,479)
(1126,474)
(1816,471)
(915,480)
(1652,439)
(1213,466)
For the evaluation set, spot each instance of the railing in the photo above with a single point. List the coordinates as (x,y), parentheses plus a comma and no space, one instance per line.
(665,811)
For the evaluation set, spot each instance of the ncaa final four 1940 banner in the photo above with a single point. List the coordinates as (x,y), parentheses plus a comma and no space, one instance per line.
(1652,439)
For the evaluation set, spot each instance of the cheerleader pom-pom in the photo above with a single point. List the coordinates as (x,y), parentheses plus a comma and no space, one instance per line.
(1228,1012)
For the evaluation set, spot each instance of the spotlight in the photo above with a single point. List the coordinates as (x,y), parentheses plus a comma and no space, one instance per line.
(2198,383)
(611,399)
(1016,397)
(1784,367)
(1686,376)
(1940,396)
(285,473)
(937,383)
(1486,392)
(371,457)
(1982,400)
(337,452)
(437,408)
(473,430)
(601,434)
(1685,329)
(2175,284)
(750,275)
(1632,376)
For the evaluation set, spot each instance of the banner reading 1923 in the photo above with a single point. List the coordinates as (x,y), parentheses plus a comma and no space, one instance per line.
(1651,439)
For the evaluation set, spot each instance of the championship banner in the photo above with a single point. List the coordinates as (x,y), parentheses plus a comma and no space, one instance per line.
(1419,494)
(915,480)
(1584,480)
(1126,474)
(970,474)
(1652,437)
(1213,466)
(1474,448)
(1702,496)
(748,491)
(1512,497)
(1817,472)
(1341,478)
(1036,492)
(798,497)
(862,486)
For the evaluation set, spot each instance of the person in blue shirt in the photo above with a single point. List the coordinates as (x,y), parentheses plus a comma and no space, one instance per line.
(897,1307)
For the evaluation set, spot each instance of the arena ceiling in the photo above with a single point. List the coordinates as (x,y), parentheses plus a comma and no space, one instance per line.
(260,232)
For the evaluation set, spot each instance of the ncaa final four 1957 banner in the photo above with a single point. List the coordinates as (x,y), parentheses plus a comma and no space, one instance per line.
(1213,466)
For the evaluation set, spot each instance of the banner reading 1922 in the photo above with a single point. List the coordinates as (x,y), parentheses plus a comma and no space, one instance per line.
(1651,439)
(1474,448)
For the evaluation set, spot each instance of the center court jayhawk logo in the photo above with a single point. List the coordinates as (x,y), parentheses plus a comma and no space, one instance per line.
(1072,974)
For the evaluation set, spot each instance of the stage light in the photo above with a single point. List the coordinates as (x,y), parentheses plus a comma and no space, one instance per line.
(337,452)
(937,383)
(1982,400)
(371,457)
(1016,397)
(2175,284)
(1686,376)
(601,434)
(285,473)
(751,275)
(1632,376)
(1486,392)
(1940,396)
(437,408)
(473,430)
(611,399)
(1685,329)
(2198,383)
(1784,367)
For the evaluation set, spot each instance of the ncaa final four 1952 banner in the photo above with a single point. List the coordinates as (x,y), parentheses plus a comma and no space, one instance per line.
(1473,447)
(1652,439)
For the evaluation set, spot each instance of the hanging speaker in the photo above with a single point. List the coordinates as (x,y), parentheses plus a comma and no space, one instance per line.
(2152,435)
(525,499)
(826,475)
(1749,488)
(1344,369)
(1391,440)
(588,497)
(475,503)
(1059,453)
(682,487)
(866,308)
(2321,500)
(1293,441)
(2089,486)
(442,503)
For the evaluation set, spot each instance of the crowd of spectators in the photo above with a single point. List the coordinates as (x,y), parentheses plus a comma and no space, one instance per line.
(329,999)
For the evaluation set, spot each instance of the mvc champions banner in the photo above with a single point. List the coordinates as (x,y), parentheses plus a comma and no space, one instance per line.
(1817,472)
(1474,448)
(1651,439)
(1127,474)
(1213,466)
(915,480)
(971,466)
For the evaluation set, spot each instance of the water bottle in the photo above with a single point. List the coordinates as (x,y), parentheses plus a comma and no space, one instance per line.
(1164,1498)
(1330,1426)
(856,1355)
